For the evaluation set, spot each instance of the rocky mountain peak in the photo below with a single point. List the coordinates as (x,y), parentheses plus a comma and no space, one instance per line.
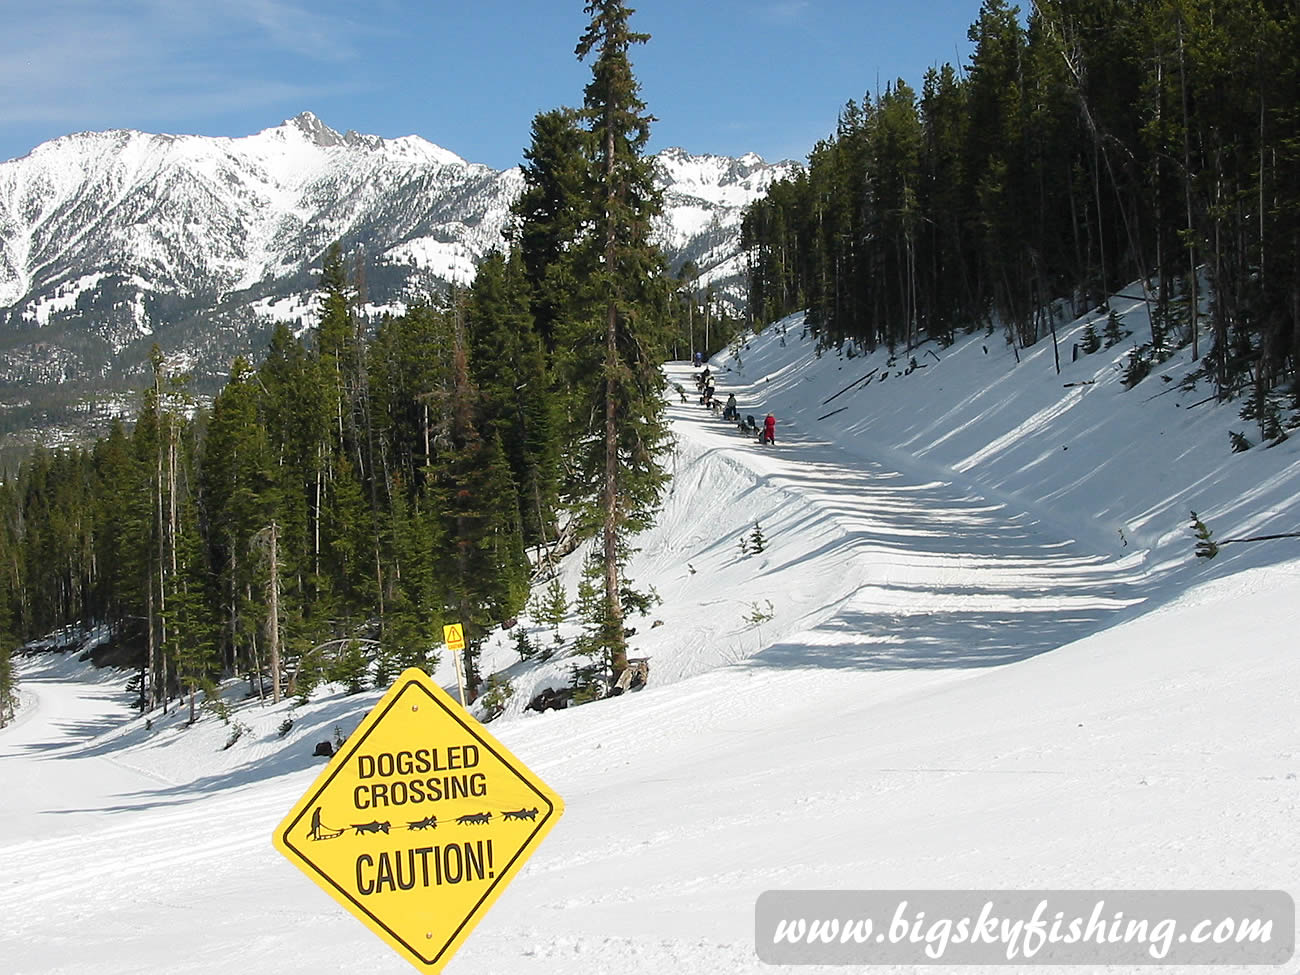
(316,131)
(112,241)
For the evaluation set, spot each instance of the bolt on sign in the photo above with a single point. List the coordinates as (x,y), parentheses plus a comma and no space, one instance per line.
(419,821)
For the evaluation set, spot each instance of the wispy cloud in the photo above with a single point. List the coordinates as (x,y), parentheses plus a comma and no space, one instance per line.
(274,25)
(784,11)
(68,60)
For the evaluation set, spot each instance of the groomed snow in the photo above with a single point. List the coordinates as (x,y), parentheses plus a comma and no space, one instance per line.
(992,662)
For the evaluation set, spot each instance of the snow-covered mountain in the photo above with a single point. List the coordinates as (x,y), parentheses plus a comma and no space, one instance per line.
(110,241)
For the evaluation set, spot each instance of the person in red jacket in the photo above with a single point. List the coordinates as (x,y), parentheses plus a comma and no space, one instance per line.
(769,430)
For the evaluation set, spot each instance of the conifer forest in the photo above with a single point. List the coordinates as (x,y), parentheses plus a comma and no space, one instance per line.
(1085,145)
(366,482)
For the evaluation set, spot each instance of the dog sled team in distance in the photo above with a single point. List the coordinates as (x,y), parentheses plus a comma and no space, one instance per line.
(706,384)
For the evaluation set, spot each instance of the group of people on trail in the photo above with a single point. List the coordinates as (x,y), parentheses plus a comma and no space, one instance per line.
(707,385)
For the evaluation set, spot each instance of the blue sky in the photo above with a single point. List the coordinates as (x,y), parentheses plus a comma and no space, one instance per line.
(722,76)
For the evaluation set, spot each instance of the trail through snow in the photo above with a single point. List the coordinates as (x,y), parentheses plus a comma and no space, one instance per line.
(897,722)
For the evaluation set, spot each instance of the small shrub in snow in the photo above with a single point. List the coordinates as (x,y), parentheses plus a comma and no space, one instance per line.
(215,703)
(1138,367)
(1159,335)
(589,682)
(591,602)
(494,700)
(349,668)
(638,601)
(1114,332)
(1271,424)
(1206,548)
(237,731)
(758,616)
(134,687)
(551,649)
(1264,409)
(303,688)
(523,645)
(551,606)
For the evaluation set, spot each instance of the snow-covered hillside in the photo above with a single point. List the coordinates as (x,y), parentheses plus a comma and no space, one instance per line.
(202,214)
(976,651)
(110,237)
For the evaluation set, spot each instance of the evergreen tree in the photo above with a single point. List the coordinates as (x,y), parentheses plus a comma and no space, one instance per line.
(1114,332)
(1091,340)
(523,645)
(508,367)
(336,350)
(295,413)
(346,593)
(238,492)
(8,675)
(118,548)
(1206,546)
(191,621)
(485,568)
(946,292)
(8,686)
(995,172)
(620,422)
(551,606)
(412,610)
(552,211)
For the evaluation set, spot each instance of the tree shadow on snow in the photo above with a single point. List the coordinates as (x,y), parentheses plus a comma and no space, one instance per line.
(925,641)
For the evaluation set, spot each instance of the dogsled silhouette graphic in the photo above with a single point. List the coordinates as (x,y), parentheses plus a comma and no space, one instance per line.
(319,831)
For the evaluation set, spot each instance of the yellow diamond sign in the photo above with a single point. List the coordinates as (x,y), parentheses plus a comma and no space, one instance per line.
(419,821)
(453,634)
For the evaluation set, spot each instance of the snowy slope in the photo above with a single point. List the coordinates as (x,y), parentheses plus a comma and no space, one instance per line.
(108,238)
(113,241)
(212,215)
(969,680)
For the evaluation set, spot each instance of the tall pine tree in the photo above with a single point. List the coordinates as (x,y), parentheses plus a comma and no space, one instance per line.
(621,427)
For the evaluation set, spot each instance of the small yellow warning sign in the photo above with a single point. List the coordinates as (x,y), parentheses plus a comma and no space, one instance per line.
(419,821)
(454,636)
